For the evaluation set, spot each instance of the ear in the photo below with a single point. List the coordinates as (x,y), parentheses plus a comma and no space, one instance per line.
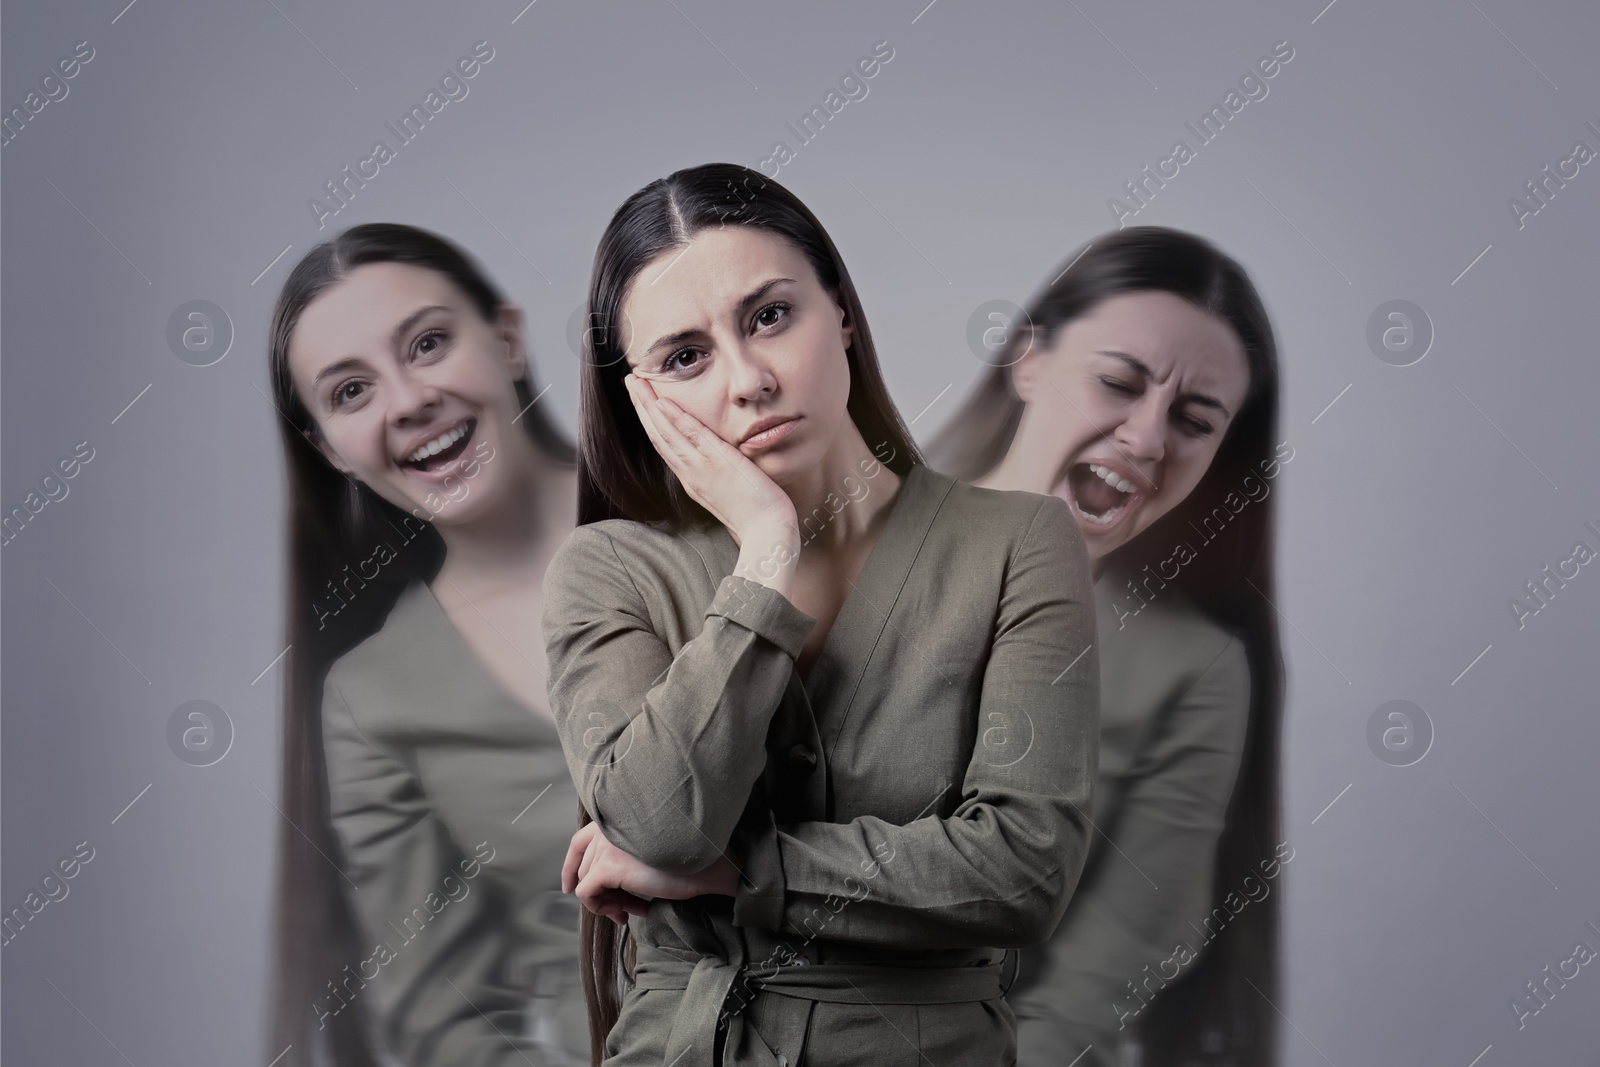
(1024,371)
(847,328)
(507,327)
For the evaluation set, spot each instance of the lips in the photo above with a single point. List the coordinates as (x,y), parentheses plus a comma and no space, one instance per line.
(1101,495)
(440,448)
(769,431)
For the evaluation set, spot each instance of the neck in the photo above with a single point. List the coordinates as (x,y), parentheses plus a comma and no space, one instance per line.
(839,501)
(515,538)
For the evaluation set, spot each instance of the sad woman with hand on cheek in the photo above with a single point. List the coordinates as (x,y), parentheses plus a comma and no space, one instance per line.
(819,844)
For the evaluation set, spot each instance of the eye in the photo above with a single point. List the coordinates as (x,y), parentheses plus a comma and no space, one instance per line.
(1198,427)
(1120,387)
(346,392)
(771,315)
(431,343)
(669,367)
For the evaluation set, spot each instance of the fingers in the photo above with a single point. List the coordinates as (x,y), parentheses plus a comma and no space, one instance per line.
(594,894)
(632,904)
(679,430)
(660,424)
(613,903)
(696,455)
(576,851)
(597,845)
(645,403)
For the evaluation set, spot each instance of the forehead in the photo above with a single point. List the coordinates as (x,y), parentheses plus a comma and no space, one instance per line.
(358,314)
(1169,335)
(685,287)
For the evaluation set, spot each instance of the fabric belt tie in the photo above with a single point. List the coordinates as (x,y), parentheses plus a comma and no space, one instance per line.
(713,995)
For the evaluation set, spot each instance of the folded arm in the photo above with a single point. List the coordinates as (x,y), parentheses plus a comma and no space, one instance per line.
(664,750)
(999,868)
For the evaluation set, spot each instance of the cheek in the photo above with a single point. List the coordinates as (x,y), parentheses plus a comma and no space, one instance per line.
(701,400)
(1062,422)
(359,442)
(478,376)
(1184,475)
(817,361)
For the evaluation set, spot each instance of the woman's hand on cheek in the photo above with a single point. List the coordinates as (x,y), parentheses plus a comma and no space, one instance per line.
(715,473)
(612,883)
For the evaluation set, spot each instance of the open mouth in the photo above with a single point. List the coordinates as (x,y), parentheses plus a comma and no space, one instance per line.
(443,450)
(1099,495)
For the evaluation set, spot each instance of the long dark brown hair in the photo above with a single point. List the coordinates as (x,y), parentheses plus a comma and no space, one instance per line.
(620,474)
(335,522)
(1212,1008)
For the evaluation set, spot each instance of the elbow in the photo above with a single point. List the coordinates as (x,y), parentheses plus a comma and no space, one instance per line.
(667,841)
(1032,916)
(677,834)
(1031,928)
(678,854)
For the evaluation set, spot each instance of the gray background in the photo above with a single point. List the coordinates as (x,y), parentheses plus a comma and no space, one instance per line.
(1377,168)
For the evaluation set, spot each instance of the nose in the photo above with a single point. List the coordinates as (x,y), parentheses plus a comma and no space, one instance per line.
(750,377)
(1143,434)
(411,399)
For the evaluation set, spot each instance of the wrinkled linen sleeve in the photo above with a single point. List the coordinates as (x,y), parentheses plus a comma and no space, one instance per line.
(664,749)
(438,987)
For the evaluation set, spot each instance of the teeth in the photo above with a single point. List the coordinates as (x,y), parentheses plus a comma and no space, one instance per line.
(1112,478)
(438,444)
(1099,520)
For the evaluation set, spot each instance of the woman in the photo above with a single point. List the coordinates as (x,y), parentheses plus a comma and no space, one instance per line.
(1141,387)
(826,707)
(426,799)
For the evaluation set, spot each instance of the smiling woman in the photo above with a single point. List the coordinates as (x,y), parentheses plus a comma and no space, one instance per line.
(416,727)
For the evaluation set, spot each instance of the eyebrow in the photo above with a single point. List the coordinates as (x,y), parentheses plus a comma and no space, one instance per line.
(400,331)
(752,298)
(1144,371)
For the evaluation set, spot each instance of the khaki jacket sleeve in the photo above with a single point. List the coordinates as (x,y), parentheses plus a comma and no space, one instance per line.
(431,969)
(999,869)
(664,750)
(1140,898)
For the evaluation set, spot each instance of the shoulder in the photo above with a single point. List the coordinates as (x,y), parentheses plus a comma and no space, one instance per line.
(1170,635)
(618,545)
(377,654)
(1013,516)
(633,566)
(388,689)
(609,542)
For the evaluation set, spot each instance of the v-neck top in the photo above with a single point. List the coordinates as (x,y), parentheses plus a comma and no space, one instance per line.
(453,809)
(919,803)
(1174,712)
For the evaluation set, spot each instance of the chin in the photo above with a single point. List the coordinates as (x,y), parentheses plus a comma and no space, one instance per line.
(783,469)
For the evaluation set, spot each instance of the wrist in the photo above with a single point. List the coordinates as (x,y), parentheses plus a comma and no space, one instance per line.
(770,536)
(770,555)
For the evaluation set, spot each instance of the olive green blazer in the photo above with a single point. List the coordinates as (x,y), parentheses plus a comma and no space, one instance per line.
(1174,706)
(918,802)
(453,808)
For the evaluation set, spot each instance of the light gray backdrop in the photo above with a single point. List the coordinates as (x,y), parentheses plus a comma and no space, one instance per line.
(178,165)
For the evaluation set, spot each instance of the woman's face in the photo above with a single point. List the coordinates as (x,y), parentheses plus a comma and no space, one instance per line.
(736,329)
(1125,411)
(411,389)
